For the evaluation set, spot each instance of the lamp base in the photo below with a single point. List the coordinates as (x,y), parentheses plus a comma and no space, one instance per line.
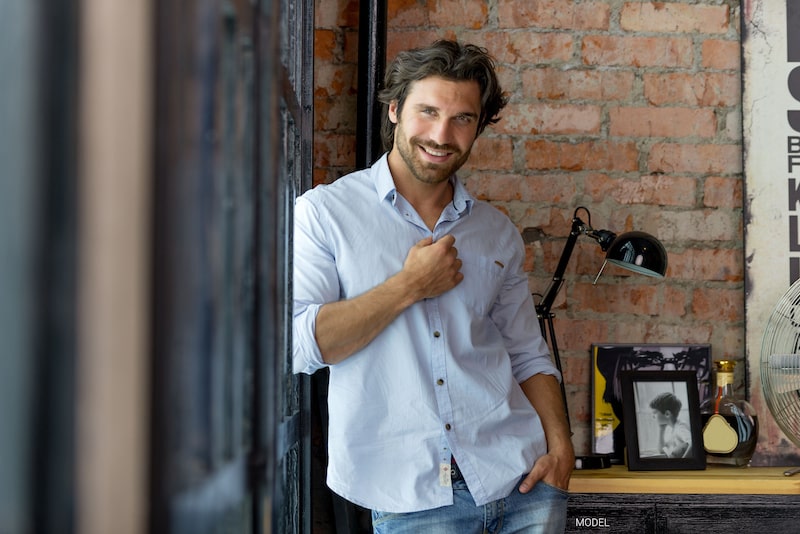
(593,461)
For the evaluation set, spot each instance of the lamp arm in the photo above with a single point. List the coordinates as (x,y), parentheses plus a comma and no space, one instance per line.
(543,308)
(603,237)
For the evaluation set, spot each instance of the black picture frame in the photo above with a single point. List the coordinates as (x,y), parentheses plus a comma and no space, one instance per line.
(611,359)
(662,420)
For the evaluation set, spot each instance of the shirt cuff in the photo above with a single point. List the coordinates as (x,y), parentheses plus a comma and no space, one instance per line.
(306,357)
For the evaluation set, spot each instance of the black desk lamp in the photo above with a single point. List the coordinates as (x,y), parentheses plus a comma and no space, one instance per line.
(636,251)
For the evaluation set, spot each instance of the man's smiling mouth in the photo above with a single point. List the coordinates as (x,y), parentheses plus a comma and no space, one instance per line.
(434,152)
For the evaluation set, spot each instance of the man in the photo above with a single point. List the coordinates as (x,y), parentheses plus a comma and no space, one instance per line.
(445,408)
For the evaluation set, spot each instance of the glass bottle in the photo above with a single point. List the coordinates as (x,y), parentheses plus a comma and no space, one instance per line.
(730,424)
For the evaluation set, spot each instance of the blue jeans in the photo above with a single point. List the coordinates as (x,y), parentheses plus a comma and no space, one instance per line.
(541,510)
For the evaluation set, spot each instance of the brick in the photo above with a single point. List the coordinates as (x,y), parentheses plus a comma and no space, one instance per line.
(337,114)
(699,158)
(703,264)
(662,190)
(721,54)
(728,339)
(320,176)
(541,219)
(618,298)
(576,84)
(491,153)
(348,15)
(325,46)
(553,14)
(693,89)
(676,301)
(637,51)
(525,47)
(326,14)
(699,225)
(466,13)
(578,335)
(340,13)
(331,149)
(673,17)
(662,122)
(407,14)
(643,330)
(550,119)
(397,41)
(721,192)
(733,126)
(507,187)
(721,305)
(507,76)
(350,52)
(589,155)
(335,80)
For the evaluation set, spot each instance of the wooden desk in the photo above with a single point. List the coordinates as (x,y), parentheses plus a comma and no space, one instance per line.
(727,480)
(716,500)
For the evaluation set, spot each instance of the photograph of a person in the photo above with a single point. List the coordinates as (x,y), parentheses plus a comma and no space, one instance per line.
(609,361)
(672,436)
(662,413)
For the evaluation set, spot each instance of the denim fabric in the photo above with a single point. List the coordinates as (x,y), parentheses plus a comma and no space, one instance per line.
(543,510)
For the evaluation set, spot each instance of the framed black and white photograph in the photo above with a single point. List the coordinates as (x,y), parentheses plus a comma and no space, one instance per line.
(609,360)
(662,420)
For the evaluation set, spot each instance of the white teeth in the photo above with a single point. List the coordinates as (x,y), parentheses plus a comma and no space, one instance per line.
(434,152)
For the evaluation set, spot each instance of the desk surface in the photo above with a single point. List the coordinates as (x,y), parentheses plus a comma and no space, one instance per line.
(714,479)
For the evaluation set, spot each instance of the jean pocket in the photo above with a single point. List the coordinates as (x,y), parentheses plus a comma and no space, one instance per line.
(554,489)
(378,518)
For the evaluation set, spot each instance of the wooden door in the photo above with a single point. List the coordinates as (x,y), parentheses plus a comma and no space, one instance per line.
(232,149)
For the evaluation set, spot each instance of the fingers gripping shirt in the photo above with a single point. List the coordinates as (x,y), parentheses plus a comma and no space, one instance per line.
(443,378)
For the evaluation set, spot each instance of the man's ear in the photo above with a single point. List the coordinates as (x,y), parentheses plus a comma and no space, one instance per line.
(393,111)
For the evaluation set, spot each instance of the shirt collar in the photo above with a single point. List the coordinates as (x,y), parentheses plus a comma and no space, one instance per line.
(385,188)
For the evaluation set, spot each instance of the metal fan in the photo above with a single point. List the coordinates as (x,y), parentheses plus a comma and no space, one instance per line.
(780,364)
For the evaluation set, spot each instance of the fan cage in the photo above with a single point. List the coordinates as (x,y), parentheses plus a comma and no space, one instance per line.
(780,363)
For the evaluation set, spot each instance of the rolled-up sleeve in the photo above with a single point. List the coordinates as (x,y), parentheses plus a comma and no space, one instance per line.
(515,315)
(315,282)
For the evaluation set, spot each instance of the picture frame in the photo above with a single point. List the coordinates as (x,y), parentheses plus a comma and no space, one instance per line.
(609,360)
(662,420)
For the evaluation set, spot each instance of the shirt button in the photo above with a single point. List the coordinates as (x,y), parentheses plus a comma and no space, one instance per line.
(447,426)
(440,381)
(437,334)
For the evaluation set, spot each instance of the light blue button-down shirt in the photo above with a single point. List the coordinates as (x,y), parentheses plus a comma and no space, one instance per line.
(443,379)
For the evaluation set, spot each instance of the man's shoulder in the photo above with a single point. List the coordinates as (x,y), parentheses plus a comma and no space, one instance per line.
(349,188)
(489,213)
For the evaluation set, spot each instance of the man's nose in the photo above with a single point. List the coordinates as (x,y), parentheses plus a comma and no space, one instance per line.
(441,132)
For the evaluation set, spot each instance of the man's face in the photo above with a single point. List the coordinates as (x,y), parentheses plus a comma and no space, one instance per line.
(438,126)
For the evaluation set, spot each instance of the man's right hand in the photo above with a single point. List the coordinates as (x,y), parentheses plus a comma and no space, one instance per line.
(433,268)
(346,326)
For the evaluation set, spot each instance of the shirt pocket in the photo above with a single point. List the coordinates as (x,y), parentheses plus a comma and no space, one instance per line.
(483,279)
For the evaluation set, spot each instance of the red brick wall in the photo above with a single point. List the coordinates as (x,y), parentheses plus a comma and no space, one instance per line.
(630,109)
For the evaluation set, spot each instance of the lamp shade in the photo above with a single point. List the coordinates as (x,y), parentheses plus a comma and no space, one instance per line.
(639,252)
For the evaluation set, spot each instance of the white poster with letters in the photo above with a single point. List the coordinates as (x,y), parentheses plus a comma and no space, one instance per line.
(771,136)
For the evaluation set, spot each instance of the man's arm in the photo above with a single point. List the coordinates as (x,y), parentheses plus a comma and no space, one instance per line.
(347,326)
(555,468)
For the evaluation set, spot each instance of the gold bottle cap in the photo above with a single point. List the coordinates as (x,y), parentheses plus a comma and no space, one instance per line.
(725,366)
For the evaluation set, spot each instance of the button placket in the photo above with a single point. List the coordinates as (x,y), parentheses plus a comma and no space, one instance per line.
(439,371)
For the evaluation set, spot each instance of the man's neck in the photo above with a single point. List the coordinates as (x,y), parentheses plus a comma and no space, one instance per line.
(429,200)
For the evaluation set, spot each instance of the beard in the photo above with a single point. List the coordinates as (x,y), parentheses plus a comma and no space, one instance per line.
(426,171)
